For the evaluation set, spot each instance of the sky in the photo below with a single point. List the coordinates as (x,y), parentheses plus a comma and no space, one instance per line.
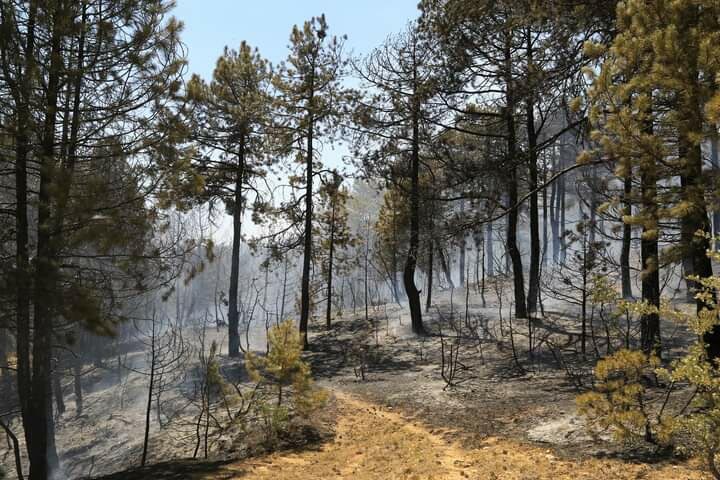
(210,25)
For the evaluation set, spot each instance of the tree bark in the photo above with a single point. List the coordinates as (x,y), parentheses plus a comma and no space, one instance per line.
(554,218)
(413,294)
(650,322)
(489,251)
(512,217)
(560,200)
(543,255)
(57,389)
(534,276)
(233,313)
(367,265)
(22,263)
(328,312)
(148,405)
(307,235)
(43,458)
(77,386)
(445,267)
(563,211)
(461,263)
(431,260)
(695,247)
(284,290)
(626,239)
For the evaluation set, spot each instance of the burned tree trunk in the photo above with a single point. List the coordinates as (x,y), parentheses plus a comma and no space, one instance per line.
(626,239)
(413,294)
(233,313)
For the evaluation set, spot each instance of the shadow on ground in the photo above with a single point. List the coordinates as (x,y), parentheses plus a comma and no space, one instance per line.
(175,470)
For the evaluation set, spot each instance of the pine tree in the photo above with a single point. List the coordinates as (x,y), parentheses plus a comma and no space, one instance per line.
(310,102)
(107,74)
(232,114)
(334,234)
(394,127)
(284,369)
(650,114)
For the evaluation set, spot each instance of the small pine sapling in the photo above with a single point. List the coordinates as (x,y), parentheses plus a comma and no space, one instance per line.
(620,403)
(284,369)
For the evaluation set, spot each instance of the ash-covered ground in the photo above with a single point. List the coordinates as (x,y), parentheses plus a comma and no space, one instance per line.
(489,385)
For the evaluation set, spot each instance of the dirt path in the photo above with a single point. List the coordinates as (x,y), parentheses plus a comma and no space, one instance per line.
(374,442)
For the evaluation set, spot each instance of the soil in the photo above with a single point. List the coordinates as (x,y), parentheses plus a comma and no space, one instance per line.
(375,442)
(504,415)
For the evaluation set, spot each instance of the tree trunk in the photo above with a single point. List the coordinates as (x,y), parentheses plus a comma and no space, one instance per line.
(428,296)
(461,264)
(560,200)
(233,313)
(593,214)
(43,458)
(284,290)
(534,278)
(77,385)
(544,256)
(23,286)
(55,181)
(367,264)
(5,376)
(650,322)
(562,226)
(512,247)
(554,219)
(586,246)
(507,260)
(445,268)
(482,277)
(307,235)
(626,239)
(695,220)
(151,386)
(514,252)
(413,294)
(489,252)
(328,312)
(57,389)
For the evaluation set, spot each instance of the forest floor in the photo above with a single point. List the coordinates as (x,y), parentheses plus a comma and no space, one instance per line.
(376,442)
(505,415)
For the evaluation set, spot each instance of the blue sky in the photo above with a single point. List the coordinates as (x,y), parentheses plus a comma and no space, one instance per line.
(266,24)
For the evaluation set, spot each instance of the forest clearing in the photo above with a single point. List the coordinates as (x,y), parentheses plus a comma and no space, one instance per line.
(375,443)
(402,421)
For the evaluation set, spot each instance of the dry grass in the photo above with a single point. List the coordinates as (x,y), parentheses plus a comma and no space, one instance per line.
(373,442)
